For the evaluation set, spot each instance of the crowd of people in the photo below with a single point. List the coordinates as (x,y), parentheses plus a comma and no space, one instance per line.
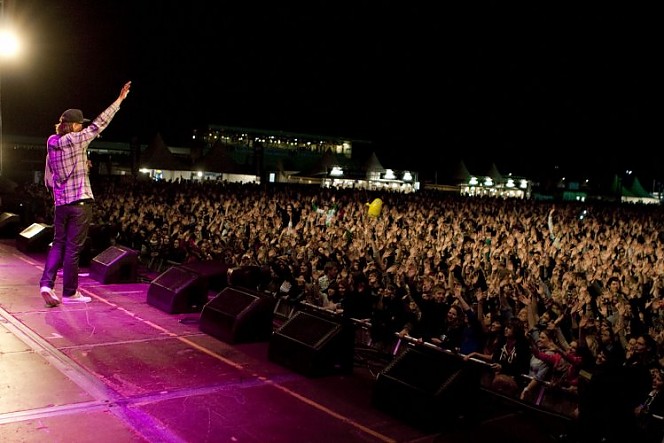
(564,297)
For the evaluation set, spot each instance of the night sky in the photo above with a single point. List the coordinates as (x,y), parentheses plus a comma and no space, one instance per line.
(528,86)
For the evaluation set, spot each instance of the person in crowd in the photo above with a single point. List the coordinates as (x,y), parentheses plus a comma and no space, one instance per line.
(472,334)
(547,365)
(511,359)
(643,352)
(452,333)
(389,318)
(290,217)
(605,410)
(650,411)
(638,369)
(493,336)
(609,343)
(358,303)
(576,361)
(68,163)
(176,254)
(433,311)
(330,274)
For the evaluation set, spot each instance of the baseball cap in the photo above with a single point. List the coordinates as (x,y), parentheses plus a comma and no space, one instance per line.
(73,116)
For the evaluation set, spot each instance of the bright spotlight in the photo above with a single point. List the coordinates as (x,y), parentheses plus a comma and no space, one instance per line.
(9,44)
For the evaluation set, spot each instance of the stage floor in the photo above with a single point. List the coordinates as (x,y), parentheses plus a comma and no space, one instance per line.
(120,370)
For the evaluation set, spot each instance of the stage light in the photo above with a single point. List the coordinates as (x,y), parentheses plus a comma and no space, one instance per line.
(9,48)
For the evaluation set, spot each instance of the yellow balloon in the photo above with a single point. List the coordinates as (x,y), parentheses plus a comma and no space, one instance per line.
(375,207)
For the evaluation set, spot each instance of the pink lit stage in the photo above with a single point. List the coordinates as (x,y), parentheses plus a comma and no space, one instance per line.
(120,370)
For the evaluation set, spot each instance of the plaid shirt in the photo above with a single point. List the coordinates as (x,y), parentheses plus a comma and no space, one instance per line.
(68,159)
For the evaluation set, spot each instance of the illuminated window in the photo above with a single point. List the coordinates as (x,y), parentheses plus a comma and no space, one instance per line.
(336,171)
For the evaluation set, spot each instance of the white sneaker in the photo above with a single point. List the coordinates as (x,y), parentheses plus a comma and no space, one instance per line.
(76,298)
(49,296)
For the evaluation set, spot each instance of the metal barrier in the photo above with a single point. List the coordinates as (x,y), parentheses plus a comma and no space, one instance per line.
(549,398)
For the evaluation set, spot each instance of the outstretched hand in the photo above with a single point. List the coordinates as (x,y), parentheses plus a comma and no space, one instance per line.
(125,90)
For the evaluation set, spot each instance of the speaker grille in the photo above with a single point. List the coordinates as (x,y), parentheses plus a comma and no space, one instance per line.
(176,279)
(34,238)
(178,290)
(236,302)
(109,255)
(115,265)
(7,217)
(308,329)
(33,230)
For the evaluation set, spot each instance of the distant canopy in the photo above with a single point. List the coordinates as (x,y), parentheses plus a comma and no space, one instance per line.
(158,156)
(633,189)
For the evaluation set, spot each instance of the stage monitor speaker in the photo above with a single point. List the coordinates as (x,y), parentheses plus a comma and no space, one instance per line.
(178,290)
(9,225)
(428,387)
(214,272)
(311,345)
(238,315)
(34,238)
(117,264)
